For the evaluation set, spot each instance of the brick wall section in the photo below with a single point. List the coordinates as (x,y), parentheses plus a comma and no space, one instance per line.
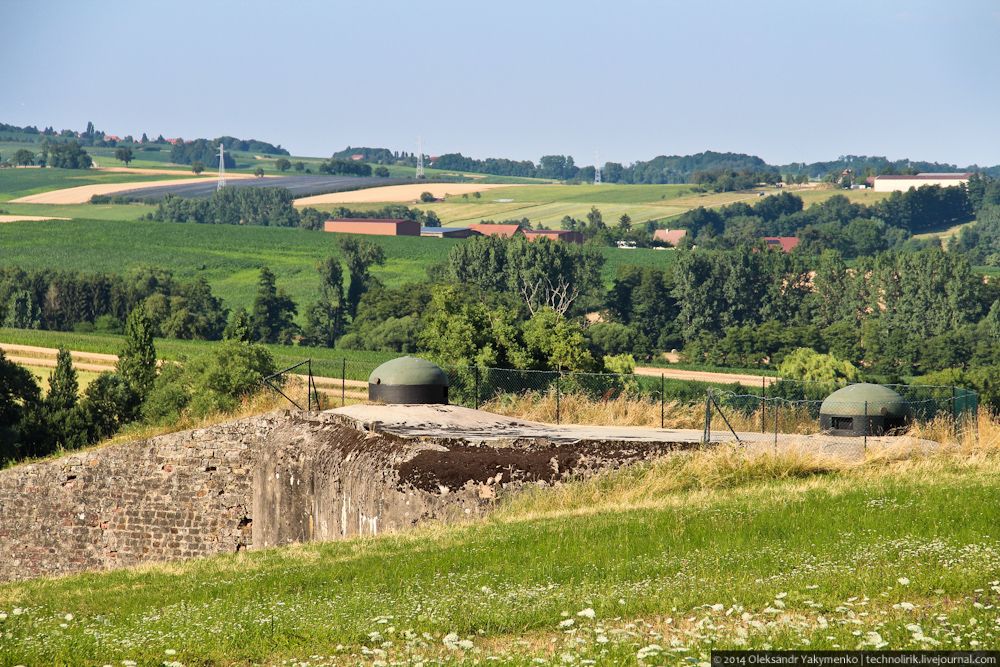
(171,497)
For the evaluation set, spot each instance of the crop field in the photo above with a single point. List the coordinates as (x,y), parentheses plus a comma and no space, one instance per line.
(547,204)
(229,257)
(16,183)
(656,564)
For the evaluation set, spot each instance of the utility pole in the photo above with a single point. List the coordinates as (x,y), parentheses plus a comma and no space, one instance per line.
(222,167)
(420,159)
(597,169)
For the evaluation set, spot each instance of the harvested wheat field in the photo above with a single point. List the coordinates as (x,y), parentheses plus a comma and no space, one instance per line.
(82,194)
(26,218)
(398,193)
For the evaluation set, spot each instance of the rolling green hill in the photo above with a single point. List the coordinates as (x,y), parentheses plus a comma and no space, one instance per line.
(654,565)
(228,256)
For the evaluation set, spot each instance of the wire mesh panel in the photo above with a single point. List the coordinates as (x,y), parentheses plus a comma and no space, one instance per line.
(783,406)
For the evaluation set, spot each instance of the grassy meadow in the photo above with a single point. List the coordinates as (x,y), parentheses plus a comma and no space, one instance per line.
(656,564)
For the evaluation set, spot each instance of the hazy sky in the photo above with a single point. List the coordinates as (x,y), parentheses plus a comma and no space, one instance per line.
(789,81)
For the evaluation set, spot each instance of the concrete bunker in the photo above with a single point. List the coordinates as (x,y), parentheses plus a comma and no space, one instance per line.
(863,409)
(409,380)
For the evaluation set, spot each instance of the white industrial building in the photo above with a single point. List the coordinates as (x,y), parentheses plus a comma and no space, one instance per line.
(904,183)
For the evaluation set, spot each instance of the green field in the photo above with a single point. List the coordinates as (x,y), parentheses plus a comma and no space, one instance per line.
(327,362)
(655,565)
(229,257)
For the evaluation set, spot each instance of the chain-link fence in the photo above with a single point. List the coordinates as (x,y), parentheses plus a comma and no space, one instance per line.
(616,399)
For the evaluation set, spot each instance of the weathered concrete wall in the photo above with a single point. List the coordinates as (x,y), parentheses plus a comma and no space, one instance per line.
(171,497)
(262,482)
(330,478)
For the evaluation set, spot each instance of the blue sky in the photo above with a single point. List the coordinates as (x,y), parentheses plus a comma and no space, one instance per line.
(789,81)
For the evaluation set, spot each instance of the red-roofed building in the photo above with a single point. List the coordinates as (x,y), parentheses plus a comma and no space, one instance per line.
(670,236)
(782,243)
(373,226)
(506,231)
(563,235)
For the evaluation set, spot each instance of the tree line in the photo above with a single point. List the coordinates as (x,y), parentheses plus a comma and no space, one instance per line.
(139,391)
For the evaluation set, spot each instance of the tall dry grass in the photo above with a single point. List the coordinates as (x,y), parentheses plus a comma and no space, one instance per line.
(686,476)
(631,410)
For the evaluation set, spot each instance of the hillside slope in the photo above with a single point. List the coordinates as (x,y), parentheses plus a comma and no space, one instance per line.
(655,565)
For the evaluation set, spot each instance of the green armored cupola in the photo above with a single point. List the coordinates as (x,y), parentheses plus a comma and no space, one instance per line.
(863,409)
(408,380)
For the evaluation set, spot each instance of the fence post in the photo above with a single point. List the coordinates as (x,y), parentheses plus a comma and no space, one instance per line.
(867,423)
(662,399)
(954,411)
(558,375)
(706,435)
(343,382)
(776,409)
(309,384)
(763,404)
(476,369)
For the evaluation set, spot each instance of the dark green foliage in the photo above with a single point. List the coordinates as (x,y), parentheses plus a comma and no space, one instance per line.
(240,326)
(70,300)
(137,361)
(346,167)
(250,146)
(207,384)
(124,154)
(67,155)
(273,312)
(232,206)
(67,424)
(282,164)
(981,242)
(23,157)
(612,338)
(200,150)
(326,317)
(540,274)
(389,319)
(20,399)
(643,299)
(361,255)
(22,313)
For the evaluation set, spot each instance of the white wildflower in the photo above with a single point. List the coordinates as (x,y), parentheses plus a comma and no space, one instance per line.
(3,616)
(586,613)
(718,607)
(465,645)
(601,639)
(648,651)
(568,623)
(567,658)
(170,651)
(68,617)
(17,611)
(780,595)
(904,581)
(907,606)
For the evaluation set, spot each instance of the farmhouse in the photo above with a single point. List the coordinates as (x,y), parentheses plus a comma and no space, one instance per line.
(489,229)
(564,235)
(373,226)
(669,236)
(782,243)
(904,183)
